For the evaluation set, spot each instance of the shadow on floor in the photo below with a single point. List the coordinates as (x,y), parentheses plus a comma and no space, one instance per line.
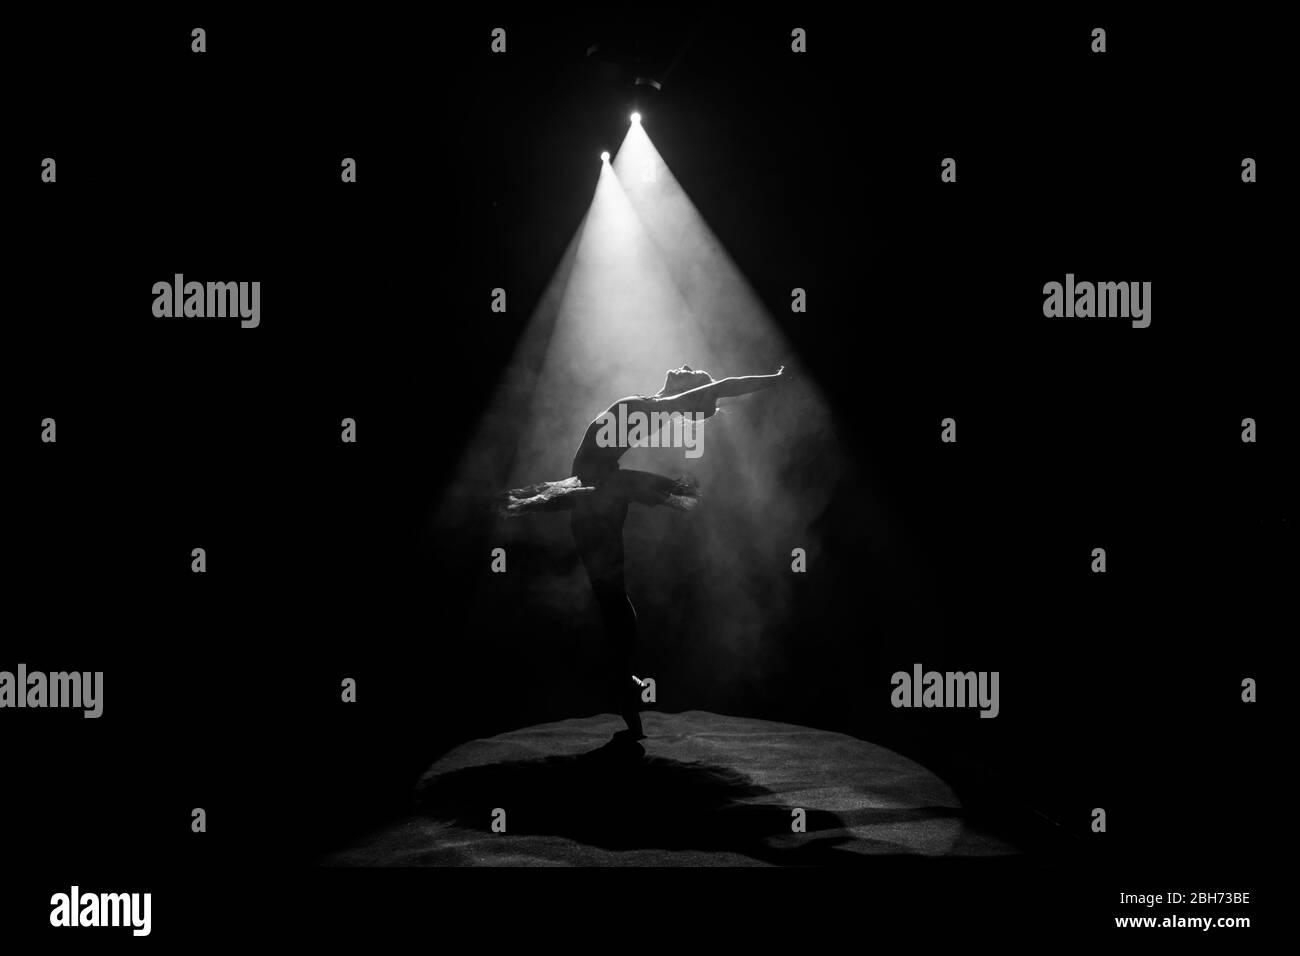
(655,803)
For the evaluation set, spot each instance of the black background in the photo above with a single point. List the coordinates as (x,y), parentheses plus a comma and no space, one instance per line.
(818,171)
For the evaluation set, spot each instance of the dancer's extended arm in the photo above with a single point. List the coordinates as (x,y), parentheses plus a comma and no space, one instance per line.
(723,388)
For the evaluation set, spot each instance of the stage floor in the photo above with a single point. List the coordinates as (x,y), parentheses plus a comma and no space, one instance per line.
(710,791)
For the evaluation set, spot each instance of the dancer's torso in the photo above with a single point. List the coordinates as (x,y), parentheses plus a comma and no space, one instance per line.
(594,460)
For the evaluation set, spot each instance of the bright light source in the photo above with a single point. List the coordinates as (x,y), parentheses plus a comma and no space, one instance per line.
(604,157)
(636,117)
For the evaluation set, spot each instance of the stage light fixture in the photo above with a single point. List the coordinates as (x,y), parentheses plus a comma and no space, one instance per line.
(604,157)
(636,117)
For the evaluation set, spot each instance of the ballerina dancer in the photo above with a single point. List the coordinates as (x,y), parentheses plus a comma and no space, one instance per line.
(598,494)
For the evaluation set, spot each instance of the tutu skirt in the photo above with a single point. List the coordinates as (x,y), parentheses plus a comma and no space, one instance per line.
(620,486)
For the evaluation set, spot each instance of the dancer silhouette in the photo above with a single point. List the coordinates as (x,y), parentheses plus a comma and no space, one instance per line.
(598,494)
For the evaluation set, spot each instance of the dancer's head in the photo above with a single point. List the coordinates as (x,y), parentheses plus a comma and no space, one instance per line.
(684,379)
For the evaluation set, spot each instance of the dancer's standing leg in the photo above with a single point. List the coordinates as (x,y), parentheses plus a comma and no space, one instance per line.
(598,531)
